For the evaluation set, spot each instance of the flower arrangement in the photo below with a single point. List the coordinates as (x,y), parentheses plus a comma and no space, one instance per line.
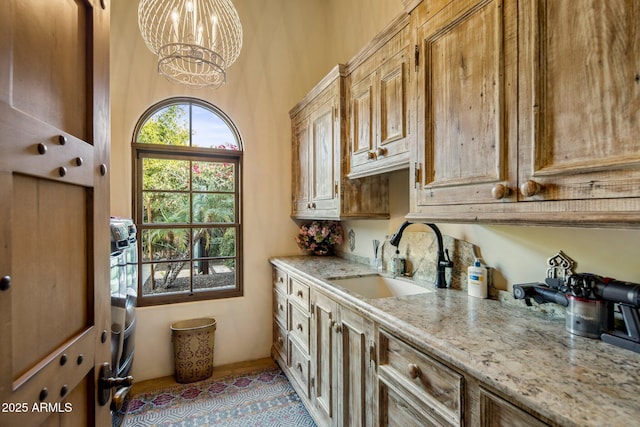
(320,237)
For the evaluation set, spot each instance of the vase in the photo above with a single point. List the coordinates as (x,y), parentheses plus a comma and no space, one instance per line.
(321,251)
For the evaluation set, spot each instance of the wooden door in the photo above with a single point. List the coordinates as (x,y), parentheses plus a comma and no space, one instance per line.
(356,378)
(54,186)
(362,122)
(393,101)
(467,100)
(325,146)
(579,101)
(301,166)
(323,348)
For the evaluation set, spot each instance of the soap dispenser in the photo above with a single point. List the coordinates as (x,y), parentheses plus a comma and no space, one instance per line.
(477,280)
(398,264)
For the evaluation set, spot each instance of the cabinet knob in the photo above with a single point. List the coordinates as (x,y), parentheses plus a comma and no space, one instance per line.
(338,328)
(280,341)
(413,370)
(281,307)
(371,155)
(381,152)
(499,191)
(300,294)
(299,366)
(5,283)
(299,327)
(530,188)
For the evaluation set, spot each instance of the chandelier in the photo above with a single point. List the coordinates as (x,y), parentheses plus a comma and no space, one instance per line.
(195,40)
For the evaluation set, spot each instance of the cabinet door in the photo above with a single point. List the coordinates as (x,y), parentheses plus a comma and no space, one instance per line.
(580,100)
(467,100)
(356,370)
(393,115)
(325,155)
(323,351)
(301,167)
(497,412)
(362,122)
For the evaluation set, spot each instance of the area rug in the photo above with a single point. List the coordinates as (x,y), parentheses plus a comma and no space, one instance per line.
(264,398)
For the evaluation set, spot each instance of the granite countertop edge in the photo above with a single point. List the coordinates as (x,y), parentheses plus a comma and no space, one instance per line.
(571,380)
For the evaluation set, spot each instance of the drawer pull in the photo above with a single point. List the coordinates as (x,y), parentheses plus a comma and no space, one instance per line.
(414,371)
(300,327)
(300,294)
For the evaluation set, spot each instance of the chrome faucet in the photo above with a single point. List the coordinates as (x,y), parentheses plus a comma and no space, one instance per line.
(442,262)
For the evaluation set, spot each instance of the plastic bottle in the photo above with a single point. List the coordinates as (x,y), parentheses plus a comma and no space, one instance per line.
(477,280)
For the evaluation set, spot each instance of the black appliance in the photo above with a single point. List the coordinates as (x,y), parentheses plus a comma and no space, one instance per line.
(124,287)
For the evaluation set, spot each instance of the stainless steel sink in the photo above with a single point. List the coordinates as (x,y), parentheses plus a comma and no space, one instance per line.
(376,286)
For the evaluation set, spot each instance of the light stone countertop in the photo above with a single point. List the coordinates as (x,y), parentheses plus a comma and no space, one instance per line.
(572,380)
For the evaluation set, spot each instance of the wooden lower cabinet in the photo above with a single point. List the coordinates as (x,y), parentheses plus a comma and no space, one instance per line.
(397,409)
(355,369)
(422,383)
(350,371)
(497,412)
(343,364)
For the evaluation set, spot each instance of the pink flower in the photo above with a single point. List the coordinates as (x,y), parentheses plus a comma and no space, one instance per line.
(320,236)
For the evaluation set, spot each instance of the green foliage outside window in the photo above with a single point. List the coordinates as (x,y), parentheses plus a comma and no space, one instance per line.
(195,193)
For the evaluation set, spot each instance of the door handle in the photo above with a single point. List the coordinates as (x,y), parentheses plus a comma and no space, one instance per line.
(106,382)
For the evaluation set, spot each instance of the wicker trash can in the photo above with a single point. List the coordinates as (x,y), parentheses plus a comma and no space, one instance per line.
(193,349)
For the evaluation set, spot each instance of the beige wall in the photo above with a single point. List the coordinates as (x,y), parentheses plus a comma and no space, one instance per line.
(519,254)
(289,45)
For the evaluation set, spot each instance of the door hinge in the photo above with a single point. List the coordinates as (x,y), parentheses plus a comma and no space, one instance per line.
(336,189)
(313,309)
(416,58)
(372,353)
(417,174)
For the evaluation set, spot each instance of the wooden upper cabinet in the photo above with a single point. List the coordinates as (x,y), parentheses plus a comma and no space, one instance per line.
(320,187)
(580,100)
(466,104)
(381,102)
(528,112)
(315,129)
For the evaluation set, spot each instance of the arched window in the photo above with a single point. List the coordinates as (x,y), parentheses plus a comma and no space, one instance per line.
(187,203)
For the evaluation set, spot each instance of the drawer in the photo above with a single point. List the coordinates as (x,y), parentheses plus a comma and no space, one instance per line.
(299,293)
(280,341)
(280,281)
(280,308)
(299,323)
(397,410)
(495,411)
(299,364)
(439,387)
